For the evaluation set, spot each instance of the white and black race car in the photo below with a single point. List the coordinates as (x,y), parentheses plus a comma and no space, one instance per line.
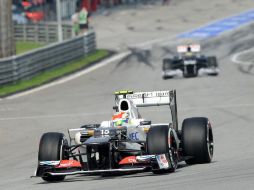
(127,142)
(189,63)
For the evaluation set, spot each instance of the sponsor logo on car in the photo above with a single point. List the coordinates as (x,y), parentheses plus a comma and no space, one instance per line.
(49,163)
(134,136)
(145,158)
(162,161)
(69,164)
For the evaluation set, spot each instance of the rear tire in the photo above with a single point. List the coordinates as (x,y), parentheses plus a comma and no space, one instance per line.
(52,148)
(197,139)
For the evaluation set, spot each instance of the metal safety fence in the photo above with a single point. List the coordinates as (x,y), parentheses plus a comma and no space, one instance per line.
(27,65)
(41,32)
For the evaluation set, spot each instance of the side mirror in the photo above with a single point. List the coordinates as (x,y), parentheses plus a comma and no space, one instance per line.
(115,108)
(91,126)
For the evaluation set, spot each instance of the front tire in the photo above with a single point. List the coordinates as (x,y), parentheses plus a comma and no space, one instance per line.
(157,144)
(52,148)
(213,64)
(167,64)
(212,61)
(197,139)
(157,140)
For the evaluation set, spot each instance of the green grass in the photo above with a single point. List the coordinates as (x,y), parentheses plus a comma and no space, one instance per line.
(53,74)
(22,47)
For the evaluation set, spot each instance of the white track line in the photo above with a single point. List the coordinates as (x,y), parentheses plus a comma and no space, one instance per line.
(88,70)
(235,59)
(71,77)
(146,44)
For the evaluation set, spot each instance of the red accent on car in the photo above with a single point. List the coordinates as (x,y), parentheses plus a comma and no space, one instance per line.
(69,164)
(128,160)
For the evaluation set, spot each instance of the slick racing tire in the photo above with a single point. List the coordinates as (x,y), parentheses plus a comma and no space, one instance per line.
(157,140)
(52,148)
(212,63)
(167,66)
(197,139)
(157,143)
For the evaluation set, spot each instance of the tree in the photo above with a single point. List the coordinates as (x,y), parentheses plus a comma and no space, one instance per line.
(7,42)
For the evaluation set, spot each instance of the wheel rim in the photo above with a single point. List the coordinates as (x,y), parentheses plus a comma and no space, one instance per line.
(174,157)
(173,152)
(210,145)
(63,150)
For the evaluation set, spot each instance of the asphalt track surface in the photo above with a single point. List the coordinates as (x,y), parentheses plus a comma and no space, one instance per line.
(227,100)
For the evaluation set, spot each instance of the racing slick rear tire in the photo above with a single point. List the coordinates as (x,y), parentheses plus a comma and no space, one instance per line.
(52,148)
(197,139)
(157,144)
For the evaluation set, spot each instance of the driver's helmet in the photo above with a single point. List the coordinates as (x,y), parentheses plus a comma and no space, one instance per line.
(120,119)
(188,52)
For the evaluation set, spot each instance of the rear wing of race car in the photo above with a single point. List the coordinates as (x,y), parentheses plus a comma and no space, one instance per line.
(154,98)
(184,48)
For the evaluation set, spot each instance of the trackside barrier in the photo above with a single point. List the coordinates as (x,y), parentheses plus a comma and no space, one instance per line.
(25,66)
(41,32)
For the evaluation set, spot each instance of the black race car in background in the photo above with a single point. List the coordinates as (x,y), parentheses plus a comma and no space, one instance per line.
(189,63)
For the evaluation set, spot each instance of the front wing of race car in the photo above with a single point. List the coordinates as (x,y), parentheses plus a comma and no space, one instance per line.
(94,172)
(130,164)
(182,67)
